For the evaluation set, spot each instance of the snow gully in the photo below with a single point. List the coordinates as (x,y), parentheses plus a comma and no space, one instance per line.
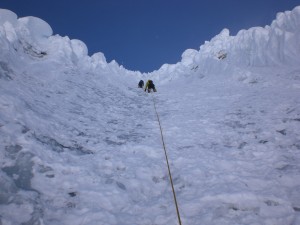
(166,155)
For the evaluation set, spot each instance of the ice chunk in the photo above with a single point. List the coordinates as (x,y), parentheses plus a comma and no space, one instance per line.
(7,16)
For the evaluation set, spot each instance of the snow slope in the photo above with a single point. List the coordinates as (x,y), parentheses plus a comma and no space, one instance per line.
(80,144)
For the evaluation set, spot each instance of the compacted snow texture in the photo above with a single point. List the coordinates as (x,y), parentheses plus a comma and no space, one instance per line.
(80,143)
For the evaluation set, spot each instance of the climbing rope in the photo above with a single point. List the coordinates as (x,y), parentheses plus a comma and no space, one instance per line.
(166,155)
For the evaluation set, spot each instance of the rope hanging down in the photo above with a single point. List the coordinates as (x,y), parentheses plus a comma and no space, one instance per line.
(170,175)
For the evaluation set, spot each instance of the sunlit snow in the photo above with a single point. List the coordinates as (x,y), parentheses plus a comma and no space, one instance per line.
(80,143)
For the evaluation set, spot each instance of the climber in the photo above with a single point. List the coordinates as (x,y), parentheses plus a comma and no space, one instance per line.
(141,84)
(149,86)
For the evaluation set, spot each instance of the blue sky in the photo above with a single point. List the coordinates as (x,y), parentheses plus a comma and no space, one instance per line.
(144,34)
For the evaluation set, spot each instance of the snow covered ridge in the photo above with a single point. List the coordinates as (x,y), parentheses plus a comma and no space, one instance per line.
(277,44)
(80,143)
(31,36)
(274,45)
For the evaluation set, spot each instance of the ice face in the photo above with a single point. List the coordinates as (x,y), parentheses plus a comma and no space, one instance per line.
(80,144)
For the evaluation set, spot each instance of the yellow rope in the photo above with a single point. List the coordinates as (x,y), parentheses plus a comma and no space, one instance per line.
(170,175)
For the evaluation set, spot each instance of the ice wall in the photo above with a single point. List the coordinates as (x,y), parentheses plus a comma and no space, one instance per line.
(32,38)
(274,45)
